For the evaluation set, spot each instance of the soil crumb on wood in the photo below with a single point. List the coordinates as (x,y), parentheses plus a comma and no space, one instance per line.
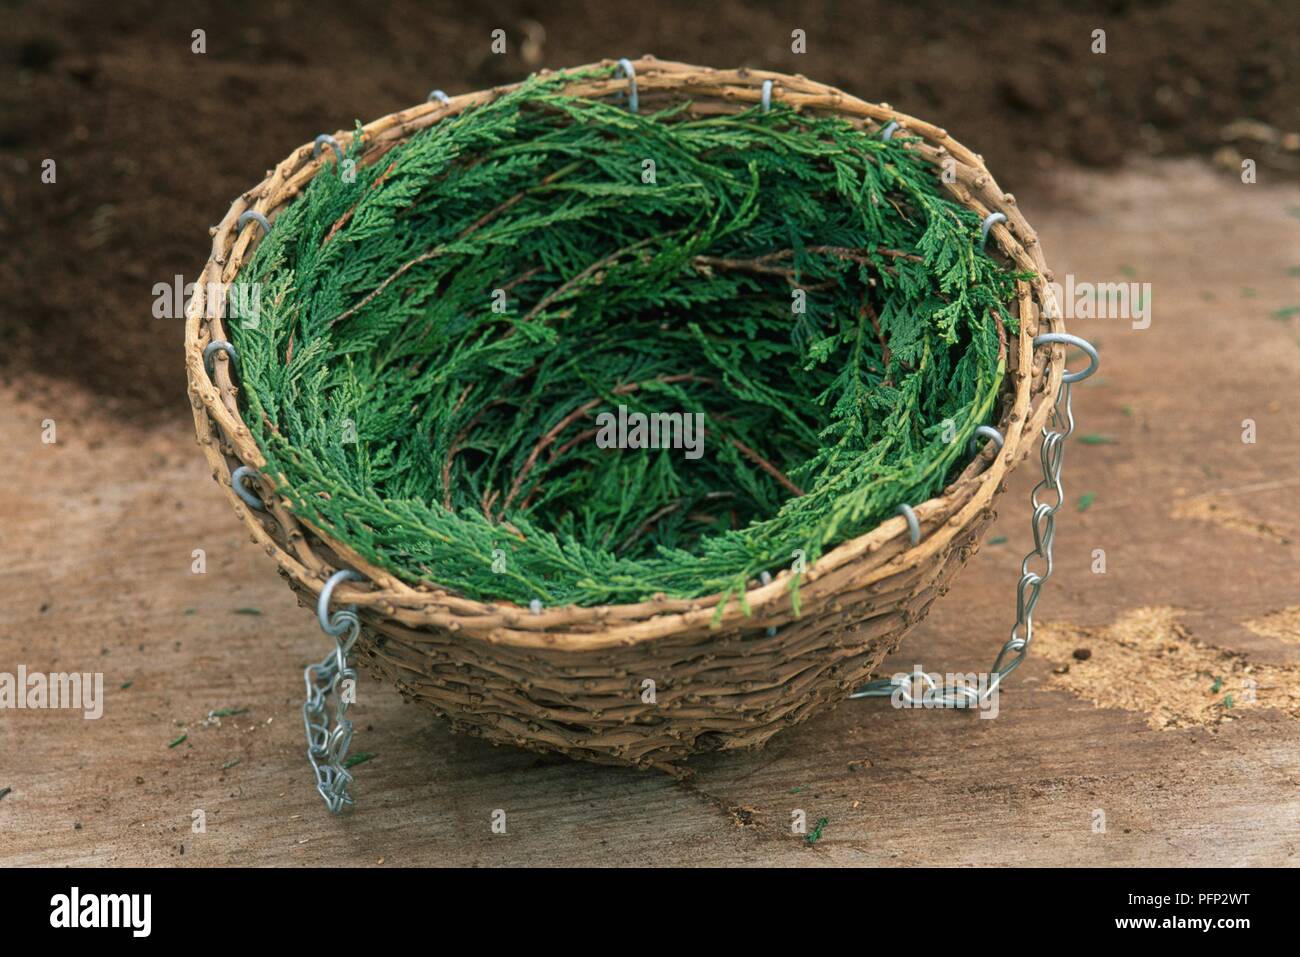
(1229,516)
(1283,624)
(1147,662)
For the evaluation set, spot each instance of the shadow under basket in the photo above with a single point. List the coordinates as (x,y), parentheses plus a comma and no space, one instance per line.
(651,683)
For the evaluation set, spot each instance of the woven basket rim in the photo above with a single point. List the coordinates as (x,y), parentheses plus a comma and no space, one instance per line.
(309,555)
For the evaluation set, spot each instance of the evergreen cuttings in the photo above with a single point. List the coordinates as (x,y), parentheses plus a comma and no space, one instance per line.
(454,443)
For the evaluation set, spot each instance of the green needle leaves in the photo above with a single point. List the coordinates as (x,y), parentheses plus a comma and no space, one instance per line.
(437,338)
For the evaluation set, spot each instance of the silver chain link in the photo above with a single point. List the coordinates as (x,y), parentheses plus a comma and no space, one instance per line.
(328,741)
(1052,455)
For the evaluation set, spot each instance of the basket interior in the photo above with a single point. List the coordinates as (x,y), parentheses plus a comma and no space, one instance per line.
(308,554)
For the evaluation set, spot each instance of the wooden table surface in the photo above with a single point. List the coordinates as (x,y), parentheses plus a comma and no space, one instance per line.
(1131,756)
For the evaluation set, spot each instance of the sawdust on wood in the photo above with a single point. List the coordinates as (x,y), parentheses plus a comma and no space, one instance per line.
(1225,514)
(1147,662)
(1283,624)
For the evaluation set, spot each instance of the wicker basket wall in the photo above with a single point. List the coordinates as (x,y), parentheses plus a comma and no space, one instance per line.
(571,679)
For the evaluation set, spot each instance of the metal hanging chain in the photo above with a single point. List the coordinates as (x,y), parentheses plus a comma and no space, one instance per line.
(327,742)
(327,739)
(1052,455)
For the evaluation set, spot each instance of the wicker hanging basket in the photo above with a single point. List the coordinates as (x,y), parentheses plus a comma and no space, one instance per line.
(574,679)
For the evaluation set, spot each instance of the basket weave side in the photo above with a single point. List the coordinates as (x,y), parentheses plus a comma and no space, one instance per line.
(572,679)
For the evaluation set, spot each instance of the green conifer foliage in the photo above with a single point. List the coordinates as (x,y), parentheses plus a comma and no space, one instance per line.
(452,442)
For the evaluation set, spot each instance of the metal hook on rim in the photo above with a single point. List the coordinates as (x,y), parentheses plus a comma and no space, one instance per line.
(625,68)
(215,346)
(252,216)
(913,526)
(237,483)
(890,129)
(438,95)
(989,433)
(1066,339)
(326,140)
(987,225)
(343,619)
(767,96)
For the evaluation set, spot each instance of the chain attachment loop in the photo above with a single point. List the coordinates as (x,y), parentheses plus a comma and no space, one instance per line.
(626,69)
(1029,589)
(328,741)
(248,497)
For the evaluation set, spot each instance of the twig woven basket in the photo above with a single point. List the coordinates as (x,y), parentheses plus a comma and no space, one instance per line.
(570,679)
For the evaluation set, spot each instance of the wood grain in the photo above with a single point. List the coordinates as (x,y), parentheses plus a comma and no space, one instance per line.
(97,531)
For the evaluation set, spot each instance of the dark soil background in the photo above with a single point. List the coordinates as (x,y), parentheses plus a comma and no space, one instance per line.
(153,141)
